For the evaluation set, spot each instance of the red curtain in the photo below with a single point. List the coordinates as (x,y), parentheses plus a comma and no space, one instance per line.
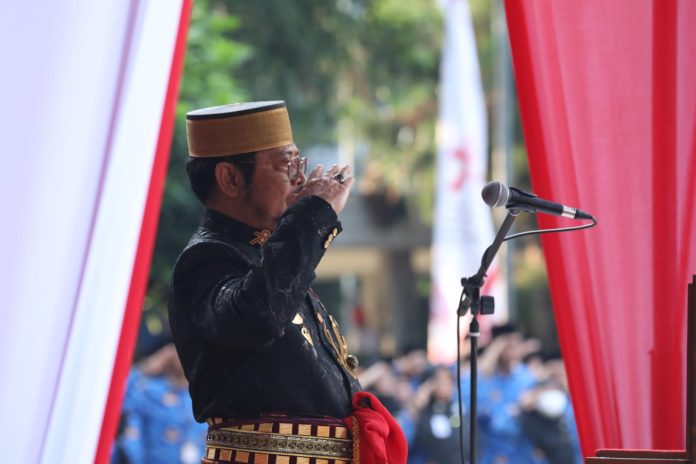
(607,94)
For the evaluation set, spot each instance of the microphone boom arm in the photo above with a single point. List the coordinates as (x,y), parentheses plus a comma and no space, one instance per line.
(478,305)
(473,284)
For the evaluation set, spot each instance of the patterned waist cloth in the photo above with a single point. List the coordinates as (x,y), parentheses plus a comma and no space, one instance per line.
(278,440)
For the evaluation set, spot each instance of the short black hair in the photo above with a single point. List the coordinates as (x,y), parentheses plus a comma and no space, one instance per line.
(201,172)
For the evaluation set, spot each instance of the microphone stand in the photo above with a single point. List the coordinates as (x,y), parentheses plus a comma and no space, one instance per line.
(484,305)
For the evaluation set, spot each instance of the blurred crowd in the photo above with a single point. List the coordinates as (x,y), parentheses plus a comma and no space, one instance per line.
(524,411)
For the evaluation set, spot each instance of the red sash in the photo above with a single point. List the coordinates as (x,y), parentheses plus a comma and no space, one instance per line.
(377,436)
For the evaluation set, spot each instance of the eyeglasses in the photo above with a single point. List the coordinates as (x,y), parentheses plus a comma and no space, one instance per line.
(296,166)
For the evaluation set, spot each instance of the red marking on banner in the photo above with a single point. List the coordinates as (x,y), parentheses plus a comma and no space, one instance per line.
(462,155)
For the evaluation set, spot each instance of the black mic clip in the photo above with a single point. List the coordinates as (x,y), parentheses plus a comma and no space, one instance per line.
(474,301)
(516,208)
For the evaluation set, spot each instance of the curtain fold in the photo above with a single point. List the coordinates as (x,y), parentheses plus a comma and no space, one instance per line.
(608,107)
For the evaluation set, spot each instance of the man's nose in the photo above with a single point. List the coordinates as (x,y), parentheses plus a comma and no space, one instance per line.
(299,179)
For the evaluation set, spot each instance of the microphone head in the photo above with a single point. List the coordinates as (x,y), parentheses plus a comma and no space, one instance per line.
(495,194)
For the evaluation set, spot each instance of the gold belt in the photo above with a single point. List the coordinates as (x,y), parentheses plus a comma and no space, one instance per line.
(278,443)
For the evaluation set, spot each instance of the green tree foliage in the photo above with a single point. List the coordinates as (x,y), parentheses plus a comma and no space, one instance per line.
(209,78)
(361,72)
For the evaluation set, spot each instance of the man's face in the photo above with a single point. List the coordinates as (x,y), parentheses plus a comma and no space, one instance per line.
(270,185)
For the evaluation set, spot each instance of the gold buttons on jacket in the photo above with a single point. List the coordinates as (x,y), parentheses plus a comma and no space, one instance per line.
(330,237)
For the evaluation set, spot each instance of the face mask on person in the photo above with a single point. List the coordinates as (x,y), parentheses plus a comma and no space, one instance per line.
(551,403)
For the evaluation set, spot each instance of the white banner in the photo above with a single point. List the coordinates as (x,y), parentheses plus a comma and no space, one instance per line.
(463,226)
(84,84)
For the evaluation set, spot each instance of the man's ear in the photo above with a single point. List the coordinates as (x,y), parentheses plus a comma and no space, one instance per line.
(229,179)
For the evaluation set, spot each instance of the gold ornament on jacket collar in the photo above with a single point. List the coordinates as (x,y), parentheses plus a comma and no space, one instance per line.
(260,237)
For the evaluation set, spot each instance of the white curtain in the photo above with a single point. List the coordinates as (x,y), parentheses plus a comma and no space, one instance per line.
(82,85)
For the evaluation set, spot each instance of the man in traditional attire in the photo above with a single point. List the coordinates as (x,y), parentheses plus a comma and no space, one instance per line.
(267,365)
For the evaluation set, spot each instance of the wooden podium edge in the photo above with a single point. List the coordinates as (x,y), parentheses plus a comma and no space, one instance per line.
(647,454)
(635,460)
(691,372)
(665,457)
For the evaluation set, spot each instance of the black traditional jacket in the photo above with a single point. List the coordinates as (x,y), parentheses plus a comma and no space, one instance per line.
(252,336)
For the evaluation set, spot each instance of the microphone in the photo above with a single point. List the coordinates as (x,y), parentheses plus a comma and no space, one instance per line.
(496,194)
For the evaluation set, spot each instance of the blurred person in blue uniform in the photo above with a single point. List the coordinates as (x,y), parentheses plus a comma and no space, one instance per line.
(157,425)
(437,431)
(503,380)
(547,417)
